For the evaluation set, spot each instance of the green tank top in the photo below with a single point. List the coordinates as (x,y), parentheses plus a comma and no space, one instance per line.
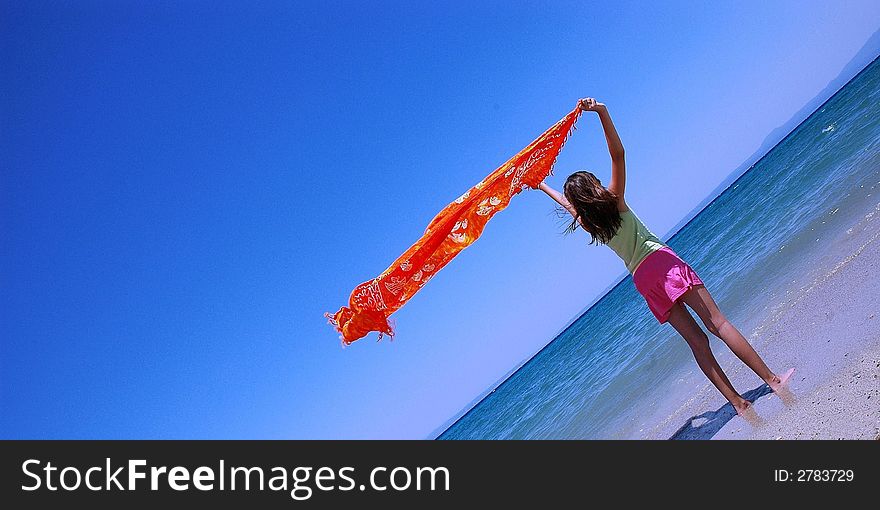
(633,241)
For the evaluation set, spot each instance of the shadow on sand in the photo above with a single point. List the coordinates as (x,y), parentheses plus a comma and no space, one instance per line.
(706,425)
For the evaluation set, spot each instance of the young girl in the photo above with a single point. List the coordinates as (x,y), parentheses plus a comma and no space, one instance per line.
(661,277)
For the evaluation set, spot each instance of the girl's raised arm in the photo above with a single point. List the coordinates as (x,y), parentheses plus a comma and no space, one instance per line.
(615,146)
(560,198)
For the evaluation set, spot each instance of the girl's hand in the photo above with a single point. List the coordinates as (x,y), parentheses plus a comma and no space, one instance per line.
(589,104)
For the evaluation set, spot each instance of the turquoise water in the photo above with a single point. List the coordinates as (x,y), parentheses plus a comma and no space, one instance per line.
(757,236)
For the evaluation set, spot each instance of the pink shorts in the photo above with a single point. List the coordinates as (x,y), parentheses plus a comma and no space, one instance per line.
(662,278)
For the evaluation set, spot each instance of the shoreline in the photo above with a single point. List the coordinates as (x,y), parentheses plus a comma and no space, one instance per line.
(831,333)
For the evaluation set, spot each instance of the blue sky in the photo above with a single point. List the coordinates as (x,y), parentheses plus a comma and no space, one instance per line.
(186,189)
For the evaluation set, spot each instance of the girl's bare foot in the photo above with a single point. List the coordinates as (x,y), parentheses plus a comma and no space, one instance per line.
(746,411)
(776,382)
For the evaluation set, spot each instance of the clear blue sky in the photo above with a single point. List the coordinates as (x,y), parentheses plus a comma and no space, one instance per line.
(186,189)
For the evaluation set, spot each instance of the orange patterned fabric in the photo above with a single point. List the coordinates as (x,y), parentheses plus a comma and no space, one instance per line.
(457,226)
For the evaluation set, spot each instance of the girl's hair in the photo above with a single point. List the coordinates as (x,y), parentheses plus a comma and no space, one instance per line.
(596,206)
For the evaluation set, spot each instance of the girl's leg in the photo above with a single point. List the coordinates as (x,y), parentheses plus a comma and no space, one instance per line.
(701,301)
(687,327)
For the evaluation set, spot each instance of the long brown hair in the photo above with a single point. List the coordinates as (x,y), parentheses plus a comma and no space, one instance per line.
(595,205)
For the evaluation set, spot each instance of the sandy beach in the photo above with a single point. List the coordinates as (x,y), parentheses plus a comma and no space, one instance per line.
(828,328)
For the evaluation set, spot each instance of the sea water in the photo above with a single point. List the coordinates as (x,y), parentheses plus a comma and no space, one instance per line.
(752,245)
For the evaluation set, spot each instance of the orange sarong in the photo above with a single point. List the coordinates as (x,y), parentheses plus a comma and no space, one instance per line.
(453,229)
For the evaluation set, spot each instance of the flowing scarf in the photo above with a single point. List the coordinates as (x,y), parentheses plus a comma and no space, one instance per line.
(453,229)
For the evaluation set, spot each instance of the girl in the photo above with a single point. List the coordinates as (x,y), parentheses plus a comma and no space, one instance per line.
(665,281)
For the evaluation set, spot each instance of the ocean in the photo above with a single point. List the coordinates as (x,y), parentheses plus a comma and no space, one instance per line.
(754,245)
